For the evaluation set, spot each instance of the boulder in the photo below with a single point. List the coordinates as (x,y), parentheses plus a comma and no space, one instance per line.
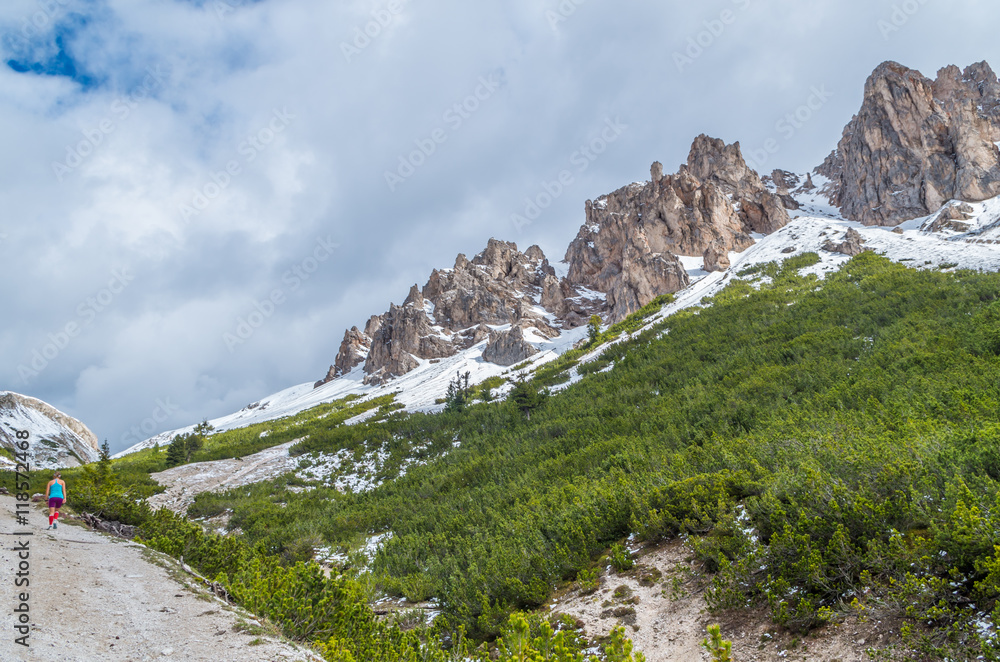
(509,347)
(955,217)
(852,244)
(716,257)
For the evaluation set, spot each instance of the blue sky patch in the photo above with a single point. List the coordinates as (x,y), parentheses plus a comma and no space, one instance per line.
(52,54)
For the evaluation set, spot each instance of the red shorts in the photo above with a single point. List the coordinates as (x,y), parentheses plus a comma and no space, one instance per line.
(55,502)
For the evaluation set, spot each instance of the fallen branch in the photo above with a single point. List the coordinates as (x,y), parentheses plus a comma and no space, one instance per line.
(126,531)
(215,588)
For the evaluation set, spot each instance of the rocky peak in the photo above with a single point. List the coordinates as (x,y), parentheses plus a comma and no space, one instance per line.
(712,160)
(499,286)
(628,246)
(414,298)
(535,254)
(404,335)
(916,143)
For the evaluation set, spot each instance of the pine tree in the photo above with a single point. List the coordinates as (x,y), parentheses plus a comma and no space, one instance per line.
(458,394)
(105,474)
(194,443)
(720,649)
(203,428)
(183,447)
(176,451)
(594,328)
(526,397)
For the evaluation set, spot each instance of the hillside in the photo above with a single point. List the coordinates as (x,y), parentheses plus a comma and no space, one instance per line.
(919,156)
(823,448)
(924,242)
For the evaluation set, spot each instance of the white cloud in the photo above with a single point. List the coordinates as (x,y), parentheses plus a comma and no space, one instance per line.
(221,81)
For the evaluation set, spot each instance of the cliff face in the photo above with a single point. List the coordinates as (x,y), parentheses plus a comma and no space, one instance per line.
(916,143)
(628,245)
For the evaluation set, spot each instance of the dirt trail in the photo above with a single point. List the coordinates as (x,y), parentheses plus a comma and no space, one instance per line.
(94,598)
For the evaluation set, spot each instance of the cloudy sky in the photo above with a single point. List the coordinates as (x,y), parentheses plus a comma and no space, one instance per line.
(170,166)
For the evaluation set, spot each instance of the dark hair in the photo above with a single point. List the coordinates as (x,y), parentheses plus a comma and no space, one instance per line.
(57,475)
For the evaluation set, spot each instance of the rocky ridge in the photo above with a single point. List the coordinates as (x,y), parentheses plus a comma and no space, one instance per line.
(623,257)
(461,307)
(55,439)
(917,143)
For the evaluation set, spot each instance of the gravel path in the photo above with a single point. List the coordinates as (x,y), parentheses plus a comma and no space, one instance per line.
(94,598)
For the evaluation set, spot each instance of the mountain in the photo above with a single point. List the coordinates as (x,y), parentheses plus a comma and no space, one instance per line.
(917,143)
(919,157)
(55,439)
(623,257)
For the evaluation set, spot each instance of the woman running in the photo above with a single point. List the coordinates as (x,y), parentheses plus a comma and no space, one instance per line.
(56,493)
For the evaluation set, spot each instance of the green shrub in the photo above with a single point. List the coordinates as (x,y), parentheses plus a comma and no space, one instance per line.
(588,580)
(720,649)
(620,558)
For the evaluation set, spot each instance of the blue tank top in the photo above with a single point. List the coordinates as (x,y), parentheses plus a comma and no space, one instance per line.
(56,491)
